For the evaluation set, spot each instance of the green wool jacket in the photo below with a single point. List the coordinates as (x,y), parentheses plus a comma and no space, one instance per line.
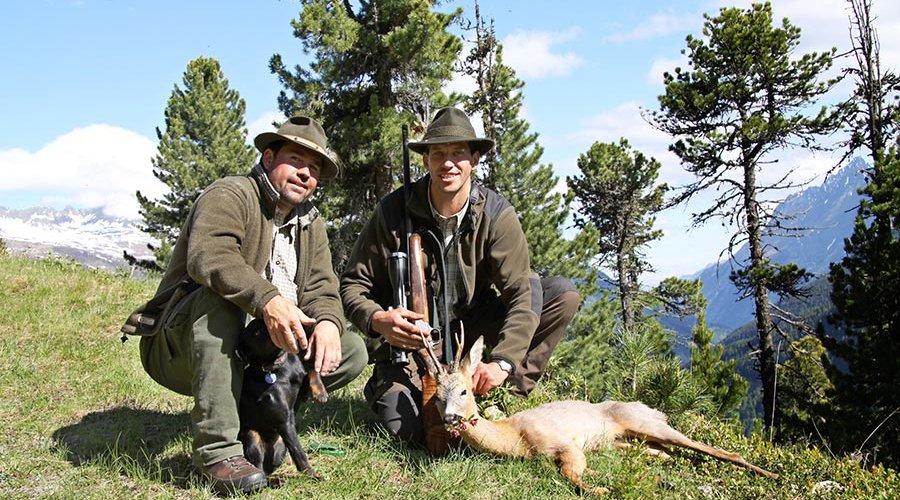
(225,245)
(493,258)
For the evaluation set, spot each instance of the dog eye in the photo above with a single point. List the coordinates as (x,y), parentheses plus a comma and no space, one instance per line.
(463,393)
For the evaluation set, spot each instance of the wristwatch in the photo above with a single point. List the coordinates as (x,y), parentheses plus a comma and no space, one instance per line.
(504,365)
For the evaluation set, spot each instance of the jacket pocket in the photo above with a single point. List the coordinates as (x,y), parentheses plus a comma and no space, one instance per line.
(175,322)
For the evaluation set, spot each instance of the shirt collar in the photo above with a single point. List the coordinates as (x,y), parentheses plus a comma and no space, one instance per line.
(458,216)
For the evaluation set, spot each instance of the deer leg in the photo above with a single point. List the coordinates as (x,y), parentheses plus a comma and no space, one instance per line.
(663,434)
(657,450)
(572,464)
(650,448)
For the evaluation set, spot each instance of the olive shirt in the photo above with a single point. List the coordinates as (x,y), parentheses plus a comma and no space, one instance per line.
(225,245)
(491,252)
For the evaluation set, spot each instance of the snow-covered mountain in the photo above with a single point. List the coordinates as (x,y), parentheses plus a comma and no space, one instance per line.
(88,236)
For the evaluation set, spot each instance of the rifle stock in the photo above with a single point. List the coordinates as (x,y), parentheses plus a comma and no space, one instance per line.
(437,439)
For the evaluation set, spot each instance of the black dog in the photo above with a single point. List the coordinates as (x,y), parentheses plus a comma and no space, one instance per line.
(273,381)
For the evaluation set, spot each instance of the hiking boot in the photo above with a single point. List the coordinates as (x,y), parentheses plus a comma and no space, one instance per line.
(234,475)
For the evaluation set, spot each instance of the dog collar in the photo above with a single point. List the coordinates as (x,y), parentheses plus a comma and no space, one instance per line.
(275,365)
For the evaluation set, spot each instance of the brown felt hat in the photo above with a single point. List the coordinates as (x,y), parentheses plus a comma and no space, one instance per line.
(451,125)
(305,132)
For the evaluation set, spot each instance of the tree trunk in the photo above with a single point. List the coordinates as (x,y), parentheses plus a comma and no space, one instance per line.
(766,356)
(625,290)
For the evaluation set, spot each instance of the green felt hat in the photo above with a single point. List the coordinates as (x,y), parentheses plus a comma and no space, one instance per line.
(451,125)
(305,132)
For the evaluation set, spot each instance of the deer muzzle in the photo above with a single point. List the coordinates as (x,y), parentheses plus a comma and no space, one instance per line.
(452,419)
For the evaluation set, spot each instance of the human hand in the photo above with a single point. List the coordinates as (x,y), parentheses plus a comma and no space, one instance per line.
(325,342)
(487,376)
(285,322)
(398,328)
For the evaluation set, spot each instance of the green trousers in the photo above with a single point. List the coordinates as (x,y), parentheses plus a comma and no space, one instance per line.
(193,354)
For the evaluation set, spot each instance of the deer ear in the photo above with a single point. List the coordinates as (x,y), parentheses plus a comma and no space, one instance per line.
(474,356)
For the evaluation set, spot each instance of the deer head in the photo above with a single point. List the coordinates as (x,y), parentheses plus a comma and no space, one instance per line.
(455,397)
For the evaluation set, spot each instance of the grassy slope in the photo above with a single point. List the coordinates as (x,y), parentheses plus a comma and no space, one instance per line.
(81,419)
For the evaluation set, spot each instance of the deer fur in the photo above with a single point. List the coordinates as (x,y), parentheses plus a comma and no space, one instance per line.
(561,430)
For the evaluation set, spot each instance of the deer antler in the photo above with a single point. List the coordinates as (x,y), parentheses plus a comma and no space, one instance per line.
(460,343)
(431,360)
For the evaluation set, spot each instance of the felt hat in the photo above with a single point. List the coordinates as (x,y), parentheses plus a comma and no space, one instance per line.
(305,132)
(451,125)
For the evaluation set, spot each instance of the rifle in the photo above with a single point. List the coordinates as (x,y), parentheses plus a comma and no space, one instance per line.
(408,267)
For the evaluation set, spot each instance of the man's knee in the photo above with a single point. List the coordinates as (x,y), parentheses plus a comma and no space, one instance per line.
(353,361)
(571,301)
(396,406)
(398,412)
(357,357)
(561,296)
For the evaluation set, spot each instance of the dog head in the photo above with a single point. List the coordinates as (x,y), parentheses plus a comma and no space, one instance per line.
(256,349)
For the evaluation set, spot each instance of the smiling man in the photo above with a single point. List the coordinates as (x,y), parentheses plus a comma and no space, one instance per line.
(490,286)
(253,246)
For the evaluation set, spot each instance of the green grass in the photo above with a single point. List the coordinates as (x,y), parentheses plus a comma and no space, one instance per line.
(81,419)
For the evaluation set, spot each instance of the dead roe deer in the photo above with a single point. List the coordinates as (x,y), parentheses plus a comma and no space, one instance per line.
(561,430)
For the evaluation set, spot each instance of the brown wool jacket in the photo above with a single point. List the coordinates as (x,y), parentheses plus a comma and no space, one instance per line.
(225,244)
(492,251)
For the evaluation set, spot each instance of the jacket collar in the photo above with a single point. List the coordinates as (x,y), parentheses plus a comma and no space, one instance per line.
(305,212)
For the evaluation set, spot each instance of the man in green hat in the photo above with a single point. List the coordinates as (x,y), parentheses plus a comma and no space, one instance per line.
(490,286)
(253,246)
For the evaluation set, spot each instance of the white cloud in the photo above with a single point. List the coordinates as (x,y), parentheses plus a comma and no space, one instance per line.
(625,120)
(263,123)
(94,166)
(662,64)
(462,83)
(531,53)
(655,26)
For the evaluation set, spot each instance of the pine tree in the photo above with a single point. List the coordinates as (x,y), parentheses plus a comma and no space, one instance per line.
(865,400)
(744,98)
(717,378)
(204,140)
(865,294)
(617,193)
(804,393)
(513,168)
(377,65)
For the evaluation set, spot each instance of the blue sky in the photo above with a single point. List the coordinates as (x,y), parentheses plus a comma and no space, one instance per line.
(85,83)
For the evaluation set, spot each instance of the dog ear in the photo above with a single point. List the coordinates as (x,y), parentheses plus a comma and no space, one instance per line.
(474,356)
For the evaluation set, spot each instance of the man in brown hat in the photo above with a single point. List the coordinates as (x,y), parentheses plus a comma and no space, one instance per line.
(253,246)
(491,288)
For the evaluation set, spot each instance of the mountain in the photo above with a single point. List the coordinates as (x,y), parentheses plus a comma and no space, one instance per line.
(87,236)
(827,210)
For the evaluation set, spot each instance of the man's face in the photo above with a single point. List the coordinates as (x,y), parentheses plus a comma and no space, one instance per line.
(293,171)
(450,166)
